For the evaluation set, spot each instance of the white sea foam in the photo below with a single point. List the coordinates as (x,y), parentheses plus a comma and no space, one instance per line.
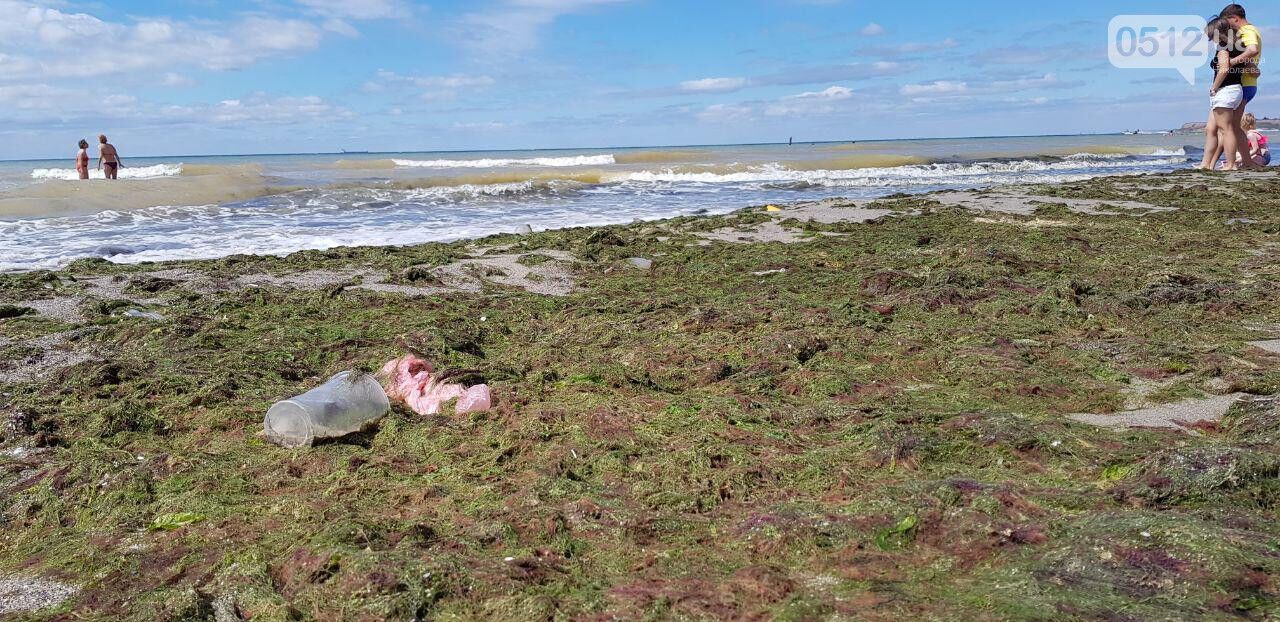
(597,160)
(914,174)
(145,172)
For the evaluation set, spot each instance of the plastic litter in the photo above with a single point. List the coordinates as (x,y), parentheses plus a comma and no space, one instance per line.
(347,403)
(146,315)
(640,263)
(413,381)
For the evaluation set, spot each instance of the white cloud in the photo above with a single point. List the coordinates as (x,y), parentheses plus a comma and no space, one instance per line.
(257,108)
(810,103)
(31,96)
(433,88)
(39,43)
(834,93)
(340,26)
(938,87)
(713,85)
(357,9)
(951,88)
(513,27)
(724,113)
(489,126)
(872,30)
(118,101)
(176,79)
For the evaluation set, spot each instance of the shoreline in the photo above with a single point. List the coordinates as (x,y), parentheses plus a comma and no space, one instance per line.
(838,408)
(436,206)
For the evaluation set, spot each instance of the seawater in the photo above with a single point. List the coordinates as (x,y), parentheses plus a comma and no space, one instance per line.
(212,206)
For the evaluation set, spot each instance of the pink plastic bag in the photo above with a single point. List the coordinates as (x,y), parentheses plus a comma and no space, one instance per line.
(412,380)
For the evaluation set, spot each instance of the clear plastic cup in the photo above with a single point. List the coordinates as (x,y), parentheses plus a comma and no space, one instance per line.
(348,403)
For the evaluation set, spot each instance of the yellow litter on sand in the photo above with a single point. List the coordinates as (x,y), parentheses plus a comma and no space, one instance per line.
(772,208)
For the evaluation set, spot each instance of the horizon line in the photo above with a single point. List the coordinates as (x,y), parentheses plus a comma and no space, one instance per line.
(690,146)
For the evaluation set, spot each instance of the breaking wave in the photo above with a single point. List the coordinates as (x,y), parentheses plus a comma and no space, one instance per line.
(912,174)
(151,186)
(565,162)
(145,172)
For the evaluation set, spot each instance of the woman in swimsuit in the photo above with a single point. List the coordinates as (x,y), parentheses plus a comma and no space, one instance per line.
(82,159)
(1225,96)
(108,158)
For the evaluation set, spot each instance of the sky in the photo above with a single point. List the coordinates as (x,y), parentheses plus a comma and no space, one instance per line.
(189,77)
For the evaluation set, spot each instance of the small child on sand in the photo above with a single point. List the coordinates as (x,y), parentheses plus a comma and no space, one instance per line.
(1258,150)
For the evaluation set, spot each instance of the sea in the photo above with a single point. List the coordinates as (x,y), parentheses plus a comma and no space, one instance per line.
(194,207)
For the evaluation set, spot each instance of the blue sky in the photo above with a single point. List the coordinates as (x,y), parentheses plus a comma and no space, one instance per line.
(270,76)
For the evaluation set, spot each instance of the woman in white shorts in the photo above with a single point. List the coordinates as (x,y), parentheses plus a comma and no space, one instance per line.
(1225,96)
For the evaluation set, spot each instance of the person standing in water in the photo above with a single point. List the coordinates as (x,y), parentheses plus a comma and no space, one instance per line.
(1246,57)
(108,158)
(82,159)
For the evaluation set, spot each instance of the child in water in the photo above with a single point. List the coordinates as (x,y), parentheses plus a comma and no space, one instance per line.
(1258,149)
(82,159)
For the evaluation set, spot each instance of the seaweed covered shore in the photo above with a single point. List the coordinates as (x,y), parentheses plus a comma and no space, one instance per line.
(880,410)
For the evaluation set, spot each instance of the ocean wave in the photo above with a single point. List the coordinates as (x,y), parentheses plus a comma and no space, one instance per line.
(144,172)
(491,179)
(851,162)
(567,161)
(167,185)
(871,169)
(1128,154)
(392,195)
(938,173)
(365,165)
(659,156)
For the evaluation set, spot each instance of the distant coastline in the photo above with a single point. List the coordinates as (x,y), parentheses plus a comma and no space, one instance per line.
(1196,127)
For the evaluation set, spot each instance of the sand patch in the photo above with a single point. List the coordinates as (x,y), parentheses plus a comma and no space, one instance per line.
(1272,346)
(1012,202)
(549,278)
(832,211)
(309,280)
(1177,416)
(61,309)
(23,594)
(825,212)
(762,233)
(1035,223)
(50,353)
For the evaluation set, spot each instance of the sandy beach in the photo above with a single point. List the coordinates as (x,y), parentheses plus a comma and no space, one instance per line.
(1037,402)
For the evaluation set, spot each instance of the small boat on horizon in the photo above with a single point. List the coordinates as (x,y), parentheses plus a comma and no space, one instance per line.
(345,151)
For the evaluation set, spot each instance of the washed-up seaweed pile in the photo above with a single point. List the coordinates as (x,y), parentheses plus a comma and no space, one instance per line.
(867,420)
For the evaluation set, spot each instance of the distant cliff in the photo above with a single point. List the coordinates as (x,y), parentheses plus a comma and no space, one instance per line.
(1263,124)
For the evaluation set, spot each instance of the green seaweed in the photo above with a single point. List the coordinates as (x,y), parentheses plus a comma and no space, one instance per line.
(877,432)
